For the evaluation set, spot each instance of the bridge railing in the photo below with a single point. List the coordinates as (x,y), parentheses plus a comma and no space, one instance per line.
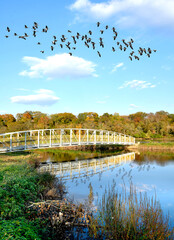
(22,140)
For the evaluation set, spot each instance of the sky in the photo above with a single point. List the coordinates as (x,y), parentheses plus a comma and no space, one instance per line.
(55,82)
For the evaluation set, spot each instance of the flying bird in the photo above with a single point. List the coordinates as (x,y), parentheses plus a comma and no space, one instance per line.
(98,24)
(99,53)
(121,47)
(88,40)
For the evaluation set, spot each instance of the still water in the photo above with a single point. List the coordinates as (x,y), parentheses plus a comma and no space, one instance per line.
(149,172)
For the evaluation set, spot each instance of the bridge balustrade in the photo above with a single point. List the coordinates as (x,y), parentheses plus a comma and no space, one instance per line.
(30,139)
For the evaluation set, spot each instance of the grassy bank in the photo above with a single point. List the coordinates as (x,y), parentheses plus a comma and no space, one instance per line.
(20,185)
(153,146)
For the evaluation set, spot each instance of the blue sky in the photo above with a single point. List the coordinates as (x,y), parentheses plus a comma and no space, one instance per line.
(56,82)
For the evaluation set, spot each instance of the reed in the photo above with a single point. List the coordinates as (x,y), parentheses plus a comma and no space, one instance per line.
(129,215)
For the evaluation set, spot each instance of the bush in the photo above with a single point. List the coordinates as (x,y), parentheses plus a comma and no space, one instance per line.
(18,187)
(20,229)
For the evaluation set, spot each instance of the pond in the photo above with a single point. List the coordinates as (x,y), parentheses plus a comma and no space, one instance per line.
(149,172)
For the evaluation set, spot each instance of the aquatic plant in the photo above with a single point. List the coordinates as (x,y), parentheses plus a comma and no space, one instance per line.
(129,215)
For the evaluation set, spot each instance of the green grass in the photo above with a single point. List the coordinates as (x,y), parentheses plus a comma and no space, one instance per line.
(16,158)
(168,144)
(20,184)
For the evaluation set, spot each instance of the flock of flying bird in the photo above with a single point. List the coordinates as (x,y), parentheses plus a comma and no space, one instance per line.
(65,42)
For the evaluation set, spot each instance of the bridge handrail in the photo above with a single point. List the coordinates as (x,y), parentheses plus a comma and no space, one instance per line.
(28,139)
(48,129)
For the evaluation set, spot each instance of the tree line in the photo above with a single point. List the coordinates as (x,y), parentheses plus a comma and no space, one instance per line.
(140,124)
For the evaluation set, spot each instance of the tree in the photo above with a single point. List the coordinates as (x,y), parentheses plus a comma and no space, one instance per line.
(43,122)
(62,119)
(8,118)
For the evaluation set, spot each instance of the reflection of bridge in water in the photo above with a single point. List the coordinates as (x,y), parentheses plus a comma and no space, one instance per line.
(30,139)
(85,168)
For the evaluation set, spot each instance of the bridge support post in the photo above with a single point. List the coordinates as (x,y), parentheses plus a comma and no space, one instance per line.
(61,130)
(50,139)
(79,136)
(38,139)
(11,146)
(102,136)
(95,137)
(70,137)
(119,138)
(87,136)
(25,141)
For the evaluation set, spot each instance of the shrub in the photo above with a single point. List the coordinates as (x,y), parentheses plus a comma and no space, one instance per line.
(20,229)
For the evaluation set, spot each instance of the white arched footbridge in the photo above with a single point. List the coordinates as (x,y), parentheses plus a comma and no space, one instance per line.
(30,139)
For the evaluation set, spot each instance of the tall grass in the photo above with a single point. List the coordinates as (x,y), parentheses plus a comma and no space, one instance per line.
(130,216)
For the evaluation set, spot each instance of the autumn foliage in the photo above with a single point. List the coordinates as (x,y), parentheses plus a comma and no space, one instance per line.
(140,124)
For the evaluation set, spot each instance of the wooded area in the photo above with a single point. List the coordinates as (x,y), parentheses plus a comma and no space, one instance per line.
(140,124)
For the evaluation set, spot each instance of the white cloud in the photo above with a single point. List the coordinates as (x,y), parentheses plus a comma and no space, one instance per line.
(43,97)
(133,106)
(137,84)
(58,66)
(44,91)
(119,65)
(129,12)
(22,89)
(101,102)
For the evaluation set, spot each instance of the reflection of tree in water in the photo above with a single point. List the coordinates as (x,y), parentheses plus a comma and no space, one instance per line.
(56,155)
(161,158)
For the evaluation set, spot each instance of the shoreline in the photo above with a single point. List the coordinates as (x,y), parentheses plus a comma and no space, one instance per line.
(152,146)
